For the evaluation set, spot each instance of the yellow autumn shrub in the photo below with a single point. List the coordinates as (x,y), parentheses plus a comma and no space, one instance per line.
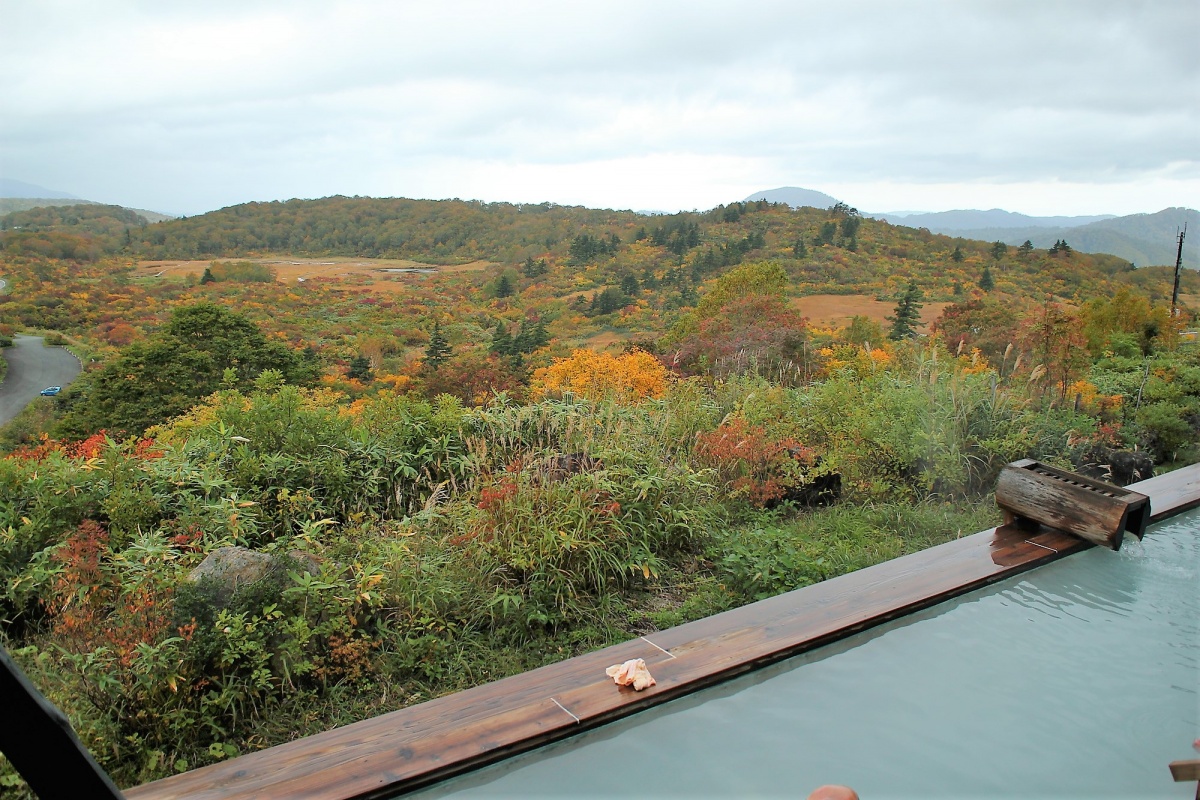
(625,378)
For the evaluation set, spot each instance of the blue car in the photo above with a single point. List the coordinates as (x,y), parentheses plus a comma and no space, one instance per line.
(50,391)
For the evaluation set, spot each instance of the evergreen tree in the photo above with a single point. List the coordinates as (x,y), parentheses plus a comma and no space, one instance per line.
(502,341)
(523,342)
(207,277)
(827,234)
(957,255)
(1026,248)
(850,225)
(534,269)
(799,250)
(687,295)
(360,369)
(999,250)
(540,336)
(985,280)
(630,286)
(907,314)
(530,337)
(610,300)
(438,349)
(504,286)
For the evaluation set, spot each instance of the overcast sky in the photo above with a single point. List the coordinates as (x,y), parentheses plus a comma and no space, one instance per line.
(1040,107)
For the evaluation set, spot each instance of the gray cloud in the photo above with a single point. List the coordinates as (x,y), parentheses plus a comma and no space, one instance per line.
(185,107)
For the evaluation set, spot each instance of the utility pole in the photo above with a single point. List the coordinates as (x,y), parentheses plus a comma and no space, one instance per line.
(1178,267)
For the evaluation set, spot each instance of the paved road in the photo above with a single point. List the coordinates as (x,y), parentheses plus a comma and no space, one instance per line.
(31,368)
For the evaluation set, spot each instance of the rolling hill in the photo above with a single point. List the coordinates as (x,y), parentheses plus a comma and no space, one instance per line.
(795,197)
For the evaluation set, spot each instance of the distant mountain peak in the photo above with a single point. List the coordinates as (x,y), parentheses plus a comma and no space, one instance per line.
(795,197)
(11,187)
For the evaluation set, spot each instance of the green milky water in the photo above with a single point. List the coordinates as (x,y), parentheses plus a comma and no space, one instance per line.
(1080,679)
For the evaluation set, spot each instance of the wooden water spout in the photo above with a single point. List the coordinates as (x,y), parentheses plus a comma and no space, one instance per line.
(1093,510)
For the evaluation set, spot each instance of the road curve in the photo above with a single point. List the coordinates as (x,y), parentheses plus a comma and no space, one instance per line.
(31,368)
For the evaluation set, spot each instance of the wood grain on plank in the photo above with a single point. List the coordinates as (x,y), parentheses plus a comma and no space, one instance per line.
(414,746)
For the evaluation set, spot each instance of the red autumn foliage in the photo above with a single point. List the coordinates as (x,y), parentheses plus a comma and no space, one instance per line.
(492,498)
(754,465)
(91,447)
(91,608)
(756,330)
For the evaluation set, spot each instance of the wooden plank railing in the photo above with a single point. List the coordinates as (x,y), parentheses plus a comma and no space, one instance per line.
(37,738)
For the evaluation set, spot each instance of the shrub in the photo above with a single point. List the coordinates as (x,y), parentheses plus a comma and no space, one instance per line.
(625,378)
(1165,430)
(754,466)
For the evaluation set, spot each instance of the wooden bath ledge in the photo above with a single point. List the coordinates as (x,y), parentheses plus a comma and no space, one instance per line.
(413,747)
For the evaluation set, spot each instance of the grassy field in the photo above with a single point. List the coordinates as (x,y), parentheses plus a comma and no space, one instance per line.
(290,269)
(828,310)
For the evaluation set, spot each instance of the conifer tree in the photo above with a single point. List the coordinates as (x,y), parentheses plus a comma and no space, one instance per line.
(502,341)
(534,269)
(536,336)
(360,369)
(907,314)
(957,255)
(524,343)
(504,287)
(985,280)
(1026,248)
(438,349)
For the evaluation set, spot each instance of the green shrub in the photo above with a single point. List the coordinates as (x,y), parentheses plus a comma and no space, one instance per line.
(1165,429)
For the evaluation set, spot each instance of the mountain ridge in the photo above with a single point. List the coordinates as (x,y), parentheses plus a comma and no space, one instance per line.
(13,188)
(1147,239)
(1142,239)
(974,219)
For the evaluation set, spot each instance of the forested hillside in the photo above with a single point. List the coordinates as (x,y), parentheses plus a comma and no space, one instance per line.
(826,249)
(458,440)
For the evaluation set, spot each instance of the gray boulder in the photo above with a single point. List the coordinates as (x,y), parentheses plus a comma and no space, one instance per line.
(229,569)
